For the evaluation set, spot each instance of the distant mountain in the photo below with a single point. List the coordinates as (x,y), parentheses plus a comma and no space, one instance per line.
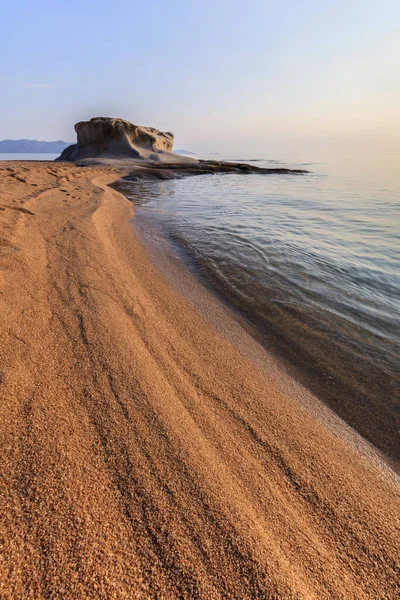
(183,152)
(32,147)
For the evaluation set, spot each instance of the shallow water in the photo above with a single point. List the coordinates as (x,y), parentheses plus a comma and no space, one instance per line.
(312,261)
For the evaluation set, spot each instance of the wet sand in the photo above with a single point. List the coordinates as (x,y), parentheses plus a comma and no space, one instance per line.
(144,454)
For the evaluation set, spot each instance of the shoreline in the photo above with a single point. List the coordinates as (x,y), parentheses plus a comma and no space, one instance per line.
(230,322)
(359,399)
(144,452)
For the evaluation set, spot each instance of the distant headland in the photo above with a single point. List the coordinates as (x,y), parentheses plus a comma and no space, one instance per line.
(32,147)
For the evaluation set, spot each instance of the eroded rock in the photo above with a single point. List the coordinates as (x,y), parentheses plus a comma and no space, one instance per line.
(117,138)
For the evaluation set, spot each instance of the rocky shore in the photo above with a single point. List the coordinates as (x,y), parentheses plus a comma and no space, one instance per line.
(145,152)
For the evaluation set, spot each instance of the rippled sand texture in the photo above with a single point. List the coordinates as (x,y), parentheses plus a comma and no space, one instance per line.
(142,455)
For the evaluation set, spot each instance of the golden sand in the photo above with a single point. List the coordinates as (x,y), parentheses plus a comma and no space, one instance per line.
(143,454)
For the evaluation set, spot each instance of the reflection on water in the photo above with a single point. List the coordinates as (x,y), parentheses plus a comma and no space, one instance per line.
(313,261)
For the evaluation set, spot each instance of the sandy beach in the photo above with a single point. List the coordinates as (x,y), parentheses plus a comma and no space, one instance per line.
(145,453)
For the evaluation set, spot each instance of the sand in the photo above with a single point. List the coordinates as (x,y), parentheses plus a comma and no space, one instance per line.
(144,454)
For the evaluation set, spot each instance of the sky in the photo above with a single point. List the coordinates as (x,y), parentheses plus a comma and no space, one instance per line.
(217,73)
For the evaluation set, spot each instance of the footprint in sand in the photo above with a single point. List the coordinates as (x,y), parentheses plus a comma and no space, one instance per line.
(17,177)
(19,209)
(23,210)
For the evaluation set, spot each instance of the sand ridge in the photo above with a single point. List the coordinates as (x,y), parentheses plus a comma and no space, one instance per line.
(143,455)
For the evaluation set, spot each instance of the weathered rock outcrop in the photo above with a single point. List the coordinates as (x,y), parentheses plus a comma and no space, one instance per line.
(144,152)
(106,137)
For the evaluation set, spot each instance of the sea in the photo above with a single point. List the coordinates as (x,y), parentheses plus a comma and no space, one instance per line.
(30,156)
(311,262)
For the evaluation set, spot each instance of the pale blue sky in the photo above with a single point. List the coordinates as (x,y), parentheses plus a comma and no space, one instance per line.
(215,72)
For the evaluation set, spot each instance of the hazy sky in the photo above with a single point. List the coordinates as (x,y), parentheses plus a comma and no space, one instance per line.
(215,72)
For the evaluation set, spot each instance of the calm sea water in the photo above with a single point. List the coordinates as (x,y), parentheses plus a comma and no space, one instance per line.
(30,156)
(312,261)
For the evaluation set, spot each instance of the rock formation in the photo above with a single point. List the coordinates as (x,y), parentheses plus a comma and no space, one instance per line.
(105,137)
(144,152)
